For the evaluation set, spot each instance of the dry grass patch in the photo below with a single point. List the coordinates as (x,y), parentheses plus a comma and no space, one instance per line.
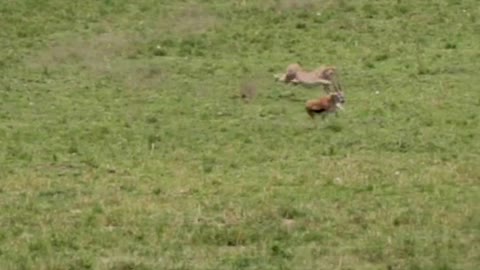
(139,77)
(92,53)
(101,56)
(298,4)
(248,91)
(188,20)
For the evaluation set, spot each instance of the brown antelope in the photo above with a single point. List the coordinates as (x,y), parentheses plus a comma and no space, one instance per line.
(325,105)
(326,76)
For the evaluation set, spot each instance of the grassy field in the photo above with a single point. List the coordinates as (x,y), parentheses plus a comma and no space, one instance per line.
(124,143)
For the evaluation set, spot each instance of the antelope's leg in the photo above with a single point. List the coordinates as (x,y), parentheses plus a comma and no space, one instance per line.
(312,116)
(310,113)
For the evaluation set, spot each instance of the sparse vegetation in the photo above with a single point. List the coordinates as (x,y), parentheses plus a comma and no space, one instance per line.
(122,147)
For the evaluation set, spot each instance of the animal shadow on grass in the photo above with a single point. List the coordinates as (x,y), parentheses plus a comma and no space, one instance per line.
(328,123)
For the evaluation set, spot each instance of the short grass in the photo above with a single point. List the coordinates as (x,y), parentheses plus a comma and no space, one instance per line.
(126,144)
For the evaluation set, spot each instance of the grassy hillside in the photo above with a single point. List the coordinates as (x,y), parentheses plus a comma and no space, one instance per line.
(124,143)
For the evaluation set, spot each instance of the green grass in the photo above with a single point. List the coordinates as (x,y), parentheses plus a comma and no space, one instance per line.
(124,143)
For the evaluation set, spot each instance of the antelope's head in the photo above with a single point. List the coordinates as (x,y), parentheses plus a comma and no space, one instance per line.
(338,99)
